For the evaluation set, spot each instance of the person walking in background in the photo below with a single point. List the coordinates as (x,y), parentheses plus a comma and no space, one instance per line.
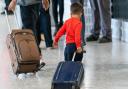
(58,15)
(83,23)
(7,2)
(45,25)
(30,18)
(102,21)
(72,28)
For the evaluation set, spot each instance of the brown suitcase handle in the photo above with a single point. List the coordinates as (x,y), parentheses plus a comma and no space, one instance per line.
(25,33)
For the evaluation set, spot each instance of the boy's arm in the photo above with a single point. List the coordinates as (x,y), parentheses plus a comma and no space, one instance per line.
(78,35)
(61,32)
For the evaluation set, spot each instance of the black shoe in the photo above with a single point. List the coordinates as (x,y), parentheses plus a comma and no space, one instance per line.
(92,38)
(42,64)
(2,13)
(104,40)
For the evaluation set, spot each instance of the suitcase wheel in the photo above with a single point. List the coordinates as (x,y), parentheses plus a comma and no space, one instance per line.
(14,70)
(52,87)
(75,87)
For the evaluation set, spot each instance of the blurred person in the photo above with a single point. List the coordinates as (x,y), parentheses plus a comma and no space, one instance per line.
(30,18)
(45,25)
(58,15)
(102,21)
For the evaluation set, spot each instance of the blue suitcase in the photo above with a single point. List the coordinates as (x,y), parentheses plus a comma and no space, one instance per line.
(68,75)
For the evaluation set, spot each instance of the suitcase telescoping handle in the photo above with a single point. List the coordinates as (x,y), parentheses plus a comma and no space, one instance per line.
(7,19)
(74,56)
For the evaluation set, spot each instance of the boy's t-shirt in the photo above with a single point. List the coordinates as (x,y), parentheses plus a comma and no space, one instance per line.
(72,28)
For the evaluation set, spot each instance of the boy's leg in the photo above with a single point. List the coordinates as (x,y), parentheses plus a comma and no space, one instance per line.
(69,52)
(29,17)
(78,57)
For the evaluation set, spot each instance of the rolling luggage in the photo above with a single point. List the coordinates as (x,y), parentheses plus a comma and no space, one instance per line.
(68,75)
(23,50)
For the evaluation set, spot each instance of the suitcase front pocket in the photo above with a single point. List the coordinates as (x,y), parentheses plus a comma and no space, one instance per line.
(28,50)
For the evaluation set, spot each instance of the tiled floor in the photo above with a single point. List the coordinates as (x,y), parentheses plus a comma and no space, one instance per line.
(106,66)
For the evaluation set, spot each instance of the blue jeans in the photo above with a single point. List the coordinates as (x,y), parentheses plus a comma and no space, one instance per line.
(30,19)
(70,49)
(45,26)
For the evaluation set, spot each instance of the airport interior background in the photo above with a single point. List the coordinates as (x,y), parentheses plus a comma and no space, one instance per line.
(106,65)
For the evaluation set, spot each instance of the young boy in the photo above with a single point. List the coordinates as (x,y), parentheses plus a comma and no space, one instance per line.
(83,23)
(72,28)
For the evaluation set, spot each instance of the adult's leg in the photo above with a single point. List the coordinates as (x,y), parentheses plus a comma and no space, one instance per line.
(83,26)
(45,26)
(74,1)
(55,12)
(61,11)
(83,30)
(29,16)
(7,2)
(55,15)
(95,32)
(105,16)
(96,18)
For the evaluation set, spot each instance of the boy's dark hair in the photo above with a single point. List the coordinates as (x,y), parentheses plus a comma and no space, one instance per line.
(76,8)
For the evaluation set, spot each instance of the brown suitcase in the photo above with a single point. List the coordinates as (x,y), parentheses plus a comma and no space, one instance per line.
(23,50)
